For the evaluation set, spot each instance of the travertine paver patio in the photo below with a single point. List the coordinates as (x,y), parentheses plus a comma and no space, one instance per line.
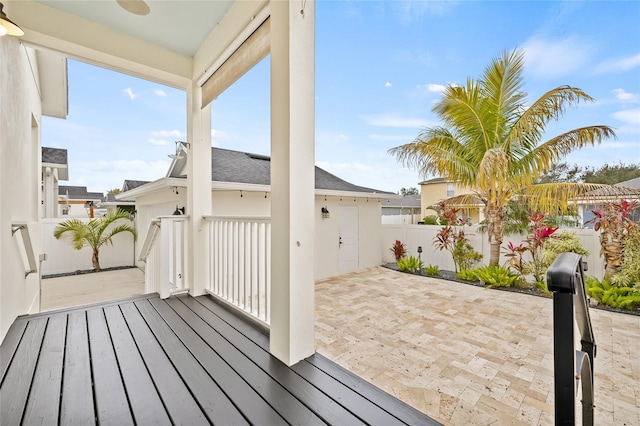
(465,355)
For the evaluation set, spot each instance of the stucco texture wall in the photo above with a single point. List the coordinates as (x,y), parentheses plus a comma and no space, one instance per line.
(20,112)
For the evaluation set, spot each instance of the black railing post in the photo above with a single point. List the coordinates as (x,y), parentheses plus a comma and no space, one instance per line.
(566,280)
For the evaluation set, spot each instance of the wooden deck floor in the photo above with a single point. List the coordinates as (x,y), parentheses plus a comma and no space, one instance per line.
(181,360)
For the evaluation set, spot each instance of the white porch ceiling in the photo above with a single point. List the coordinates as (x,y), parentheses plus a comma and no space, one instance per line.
(180,26)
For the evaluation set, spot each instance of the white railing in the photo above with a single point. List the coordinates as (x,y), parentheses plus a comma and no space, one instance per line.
(164,252)
(240,263)
(29,257)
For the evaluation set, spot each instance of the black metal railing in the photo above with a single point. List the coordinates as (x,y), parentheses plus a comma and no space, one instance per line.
(565,278)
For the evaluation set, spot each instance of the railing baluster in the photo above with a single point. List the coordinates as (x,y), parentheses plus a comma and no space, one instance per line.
(239,253)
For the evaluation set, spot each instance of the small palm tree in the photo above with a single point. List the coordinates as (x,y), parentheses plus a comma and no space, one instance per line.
(491,141)
(94,233)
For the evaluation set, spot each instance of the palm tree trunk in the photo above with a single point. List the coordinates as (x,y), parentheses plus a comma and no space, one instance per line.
(494,215)
(96,260)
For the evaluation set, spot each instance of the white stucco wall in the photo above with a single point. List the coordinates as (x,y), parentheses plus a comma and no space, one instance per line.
(230,203)
(20,113)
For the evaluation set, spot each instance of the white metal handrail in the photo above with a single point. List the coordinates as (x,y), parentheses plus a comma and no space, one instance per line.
(240,263)
(150,238)
(27,246)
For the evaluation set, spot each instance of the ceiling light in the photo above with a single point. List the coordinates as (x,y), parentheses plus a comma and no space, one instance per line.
(7,27)
(137,7)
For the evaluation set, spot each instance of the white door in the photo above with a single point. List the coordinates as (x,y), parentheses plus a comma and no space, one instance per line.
(348,239)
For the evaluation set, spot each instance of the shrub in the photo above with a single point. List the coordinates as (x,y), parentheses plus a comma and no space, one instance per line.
(410,264)
(564,242)
(497,276)
(464,255)
(467,275)
(609,294)
(398,249)
(433,270)
(430,220)
(630,267)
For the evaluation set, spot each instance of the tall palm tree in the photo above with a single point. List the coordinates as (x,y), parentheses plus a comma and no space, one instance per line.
(94,233)
(491,141)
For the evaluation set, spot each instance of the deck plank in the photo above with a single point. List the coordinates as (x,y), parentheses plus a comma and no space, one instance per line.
(145,403)
(215,404)
(76,406)
(44,400)
(271,391)
(17,384)
(177,398)
(401,410)
(112,406)
(252,406)
(324,406)
(10,345)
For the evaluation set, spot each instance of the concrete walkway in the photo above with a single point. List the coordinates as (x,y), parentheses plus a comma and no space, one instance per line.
(85,289)
(461,354)
(465,355)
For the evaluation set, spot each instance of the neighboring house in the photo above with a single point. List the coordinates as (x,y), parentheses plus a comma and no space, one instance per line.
(347,237)
(402,210)
(433,191)
(596,201)
(76,201)
(111,203)
(55,168)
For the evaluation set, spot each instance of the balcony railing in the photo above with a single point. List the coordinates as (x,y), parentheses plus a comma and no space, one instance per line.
(565,279)
(29,257)
(240,263)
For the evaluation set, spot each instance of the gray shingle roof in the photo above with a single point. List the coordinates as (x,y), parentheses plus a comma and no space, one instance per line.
(242,167)
(408,201)
(130,184)
(79,193)
(54,155)
(631,183)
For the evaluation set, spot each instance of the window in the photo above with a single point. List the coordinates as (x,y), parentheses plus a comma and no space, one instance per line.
(450,190)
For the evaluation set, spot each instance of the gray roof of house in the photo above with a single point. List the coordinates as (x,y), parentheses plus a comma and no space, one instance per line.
(79,193)
(407,201)
(631,183)
(243,167)
(130,184)
(54,155)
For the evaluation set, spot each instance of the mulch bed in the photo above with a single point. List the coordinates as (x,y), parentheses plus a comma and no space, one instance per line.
(451,276)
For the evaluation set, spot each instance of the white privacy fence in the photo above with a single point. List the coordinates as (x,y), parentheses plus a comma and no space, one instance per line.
(414,236)
(164,252)
(62,258)
(240,263)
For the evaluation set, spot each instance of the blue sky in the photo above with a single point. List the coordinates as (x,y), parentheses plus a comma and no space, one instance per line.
(380,66)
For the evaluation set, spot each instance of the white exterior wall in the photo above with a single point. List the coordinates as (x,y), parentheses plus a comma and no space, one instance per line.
(229,203)
(422,235)
(20,118)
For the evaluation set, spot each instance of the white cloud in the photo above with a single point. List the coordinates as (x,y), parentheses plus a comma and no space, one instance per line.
(166,134)
(625,96)
(159,92)
(386,120)
(217,136)
(619,65)
(555,58)
(435,88)
(387,84)
(343,138)
(629,116)
(130,93)
(158,142)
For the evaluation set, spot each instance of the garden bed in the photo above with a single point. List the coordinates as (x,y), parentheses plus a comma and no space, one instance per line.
(86,271)
(451,276)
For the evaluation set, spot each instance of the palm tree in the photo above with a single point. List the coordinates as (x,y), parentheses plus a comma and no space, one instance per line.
(491,141)
(94,233)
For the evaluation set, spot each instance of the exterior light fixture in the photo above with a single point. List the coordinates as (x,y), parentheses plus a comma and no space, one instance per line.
(419,252)
(325,212)
(7,27)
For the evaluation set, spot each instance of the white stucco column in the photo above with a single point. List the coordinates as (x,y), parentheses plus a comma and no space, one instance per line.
(50,199)
(198,190)
(292,180)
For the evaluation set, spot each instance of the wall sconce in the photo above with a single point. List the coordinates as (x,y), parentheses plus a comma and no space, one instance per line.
(325,212)
(178,155)
(175,190)
(179,211)
(7,27)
